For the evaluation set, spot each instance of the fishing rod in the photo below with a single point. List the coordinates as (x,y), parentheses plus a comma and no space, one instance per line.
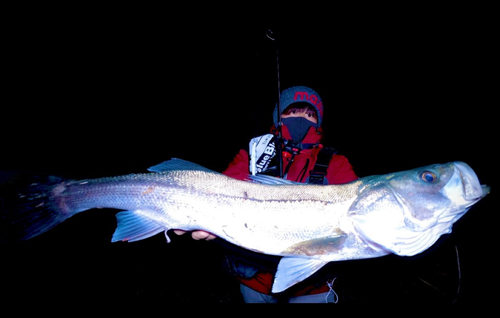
(270,35)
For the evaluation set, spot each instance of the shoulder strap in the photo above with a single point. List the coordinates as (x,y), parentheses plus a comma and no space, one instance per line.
(318,174)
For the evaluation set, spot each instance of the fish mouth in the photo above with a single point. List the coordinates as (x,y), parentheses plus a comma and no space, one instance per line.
(472,190)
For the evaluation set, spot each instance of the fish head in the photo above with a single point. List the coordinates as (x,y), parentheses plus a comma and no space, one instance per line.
(406,212)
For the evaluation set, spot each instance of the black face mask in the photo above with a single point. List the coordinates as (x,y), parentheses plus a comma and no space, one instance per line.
(298,127)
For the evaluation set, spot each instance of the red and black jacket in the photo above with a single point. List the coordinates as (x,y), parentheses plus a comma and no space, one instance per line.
(339,171)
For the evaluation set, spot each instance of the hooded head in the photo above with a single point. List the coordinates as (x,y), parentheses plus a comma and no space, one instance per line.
(297,94)
(300,96)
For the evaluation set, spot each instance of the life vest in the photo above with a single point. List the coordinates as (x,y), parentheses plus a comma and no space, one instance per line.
(262,151)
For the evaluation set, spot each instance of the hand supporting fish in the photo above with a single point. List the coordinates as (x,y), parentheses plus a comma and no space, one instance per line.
(310,225)
(197,235)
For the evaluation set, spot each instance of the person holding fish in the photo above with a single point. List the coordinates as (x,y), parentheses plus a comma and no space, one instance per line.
(304,160)
(300,221)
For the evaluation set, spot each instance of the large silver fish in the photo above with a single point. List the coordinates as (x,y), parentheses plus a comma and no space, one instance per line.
(310,225)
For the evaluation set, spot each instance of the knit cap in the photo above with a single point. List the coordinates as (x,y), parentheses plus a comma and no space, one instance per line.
(297,94)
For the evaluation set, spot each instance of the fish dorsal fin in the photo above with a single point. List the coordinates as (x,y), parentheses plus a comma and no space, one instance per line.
(264,179)
(135,227)
(177,164)
(292,270)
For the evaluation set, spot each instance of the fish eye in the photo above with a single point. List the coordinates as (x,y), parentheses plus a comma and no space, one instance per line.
(428,176)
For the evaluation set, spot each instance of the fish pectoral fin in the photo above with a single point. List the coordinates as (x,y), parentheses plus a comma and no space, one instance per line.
(292,270)
(134,227)
(318,246)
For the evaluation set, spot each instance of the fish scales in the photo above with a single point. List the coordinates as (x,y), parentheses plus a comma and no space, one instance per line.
(200,200)
(310,225)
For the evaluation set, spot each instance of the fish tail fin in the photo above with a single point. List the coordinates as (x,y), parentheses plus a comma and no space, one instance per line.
(28,205)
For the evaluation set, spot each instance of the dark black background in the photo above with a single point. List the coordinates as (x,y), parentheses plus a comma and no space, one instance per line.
(96,92)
